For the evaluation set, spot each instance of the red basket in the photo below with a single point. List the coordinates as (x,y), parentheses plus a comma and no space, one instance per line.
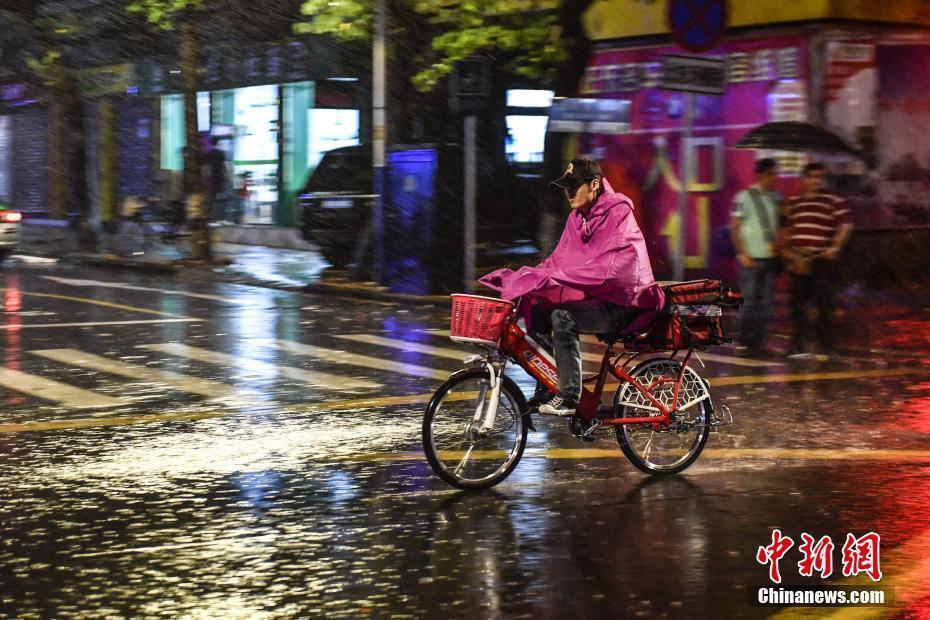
(479,320)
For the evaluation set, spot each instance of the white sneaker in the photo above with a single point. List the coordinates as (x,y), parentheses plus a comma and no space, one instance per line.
(558,405)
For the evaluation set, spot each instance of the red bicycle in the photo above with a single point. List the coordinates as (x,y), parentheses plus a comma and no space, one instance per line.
(475,426)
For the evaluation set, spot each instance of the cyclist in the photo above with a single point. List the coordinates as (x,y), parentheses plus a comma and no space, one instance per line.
(597,279)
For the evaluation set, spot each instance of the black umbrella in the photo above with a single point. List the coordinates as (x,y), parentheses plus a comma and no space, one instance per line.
(792,136)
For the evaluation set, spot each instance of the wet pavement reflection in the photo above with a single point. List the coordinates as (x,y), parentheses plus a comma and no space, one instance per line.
(256,454)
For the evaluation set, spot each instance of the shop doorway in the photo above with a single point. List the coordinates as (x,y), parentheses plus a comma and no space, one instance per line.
(255,159)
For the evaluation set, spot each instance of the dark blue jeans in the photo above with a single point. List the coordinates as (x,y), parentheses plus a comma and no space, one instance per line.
(757,284)
(557,331)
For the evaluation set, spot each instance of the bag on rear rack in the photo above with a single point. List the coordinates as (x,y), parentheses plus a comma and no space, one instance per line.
(693,317)
(687,327)
(702,292)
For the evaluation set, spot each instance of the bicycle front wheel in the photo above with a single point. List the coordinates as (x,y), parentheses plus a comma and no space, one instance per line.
(654,447)
(457,450)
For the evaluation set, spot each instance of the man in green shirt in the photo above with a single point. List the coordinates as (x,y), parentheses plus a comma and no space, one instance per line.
(754,229)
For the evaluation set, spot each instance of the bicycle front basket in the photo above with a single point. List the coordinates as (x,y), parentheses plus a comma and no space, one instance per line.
(479,320)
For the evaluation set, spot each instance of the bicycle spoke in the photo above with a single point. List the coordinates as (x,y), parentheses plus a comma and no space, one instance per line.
(648,446)
(660,448)
(457,450)
(461,464)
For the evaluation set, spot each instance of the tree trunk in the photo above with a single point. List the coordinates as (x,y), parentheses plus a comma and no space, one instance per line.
(196,198)
(69,193)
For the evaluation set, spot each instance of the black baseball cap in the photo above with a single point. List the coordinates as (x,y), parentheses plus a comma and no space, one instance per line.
(577,172)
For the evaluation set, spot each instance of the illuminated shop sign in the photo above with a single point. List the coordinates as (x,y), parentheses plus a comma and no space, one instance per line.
(762,65)
(273,63)
(606,116)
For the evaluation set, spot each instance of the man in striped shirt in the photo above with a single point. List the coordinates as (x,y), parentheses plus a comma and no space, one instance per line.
(816,225)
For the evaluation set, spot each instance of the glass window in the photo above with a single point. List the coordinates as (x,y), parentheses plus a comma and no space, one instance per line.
(344,170)
(520,98)
(329,129)
(526,138)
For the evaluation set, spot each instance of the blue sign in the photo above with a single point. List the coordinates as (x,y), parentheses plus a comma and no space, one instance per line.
(697,25)
(610,116)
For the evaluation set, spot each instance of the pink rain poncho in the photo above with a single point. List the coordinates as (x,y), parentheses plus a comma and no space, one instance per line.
(601,256)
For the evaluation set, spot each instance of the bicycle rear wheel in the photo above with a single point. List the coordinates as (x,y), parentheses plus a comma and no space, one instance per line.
(455,450)
(656,448)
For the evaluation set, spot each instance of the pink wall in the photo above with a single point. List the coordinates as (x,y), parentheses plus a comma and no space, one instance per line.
(759,69)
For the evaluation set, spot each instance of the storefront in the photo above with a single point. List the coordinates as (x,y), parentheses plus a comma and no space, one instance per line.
(860,80)
(24,149)
(272,135)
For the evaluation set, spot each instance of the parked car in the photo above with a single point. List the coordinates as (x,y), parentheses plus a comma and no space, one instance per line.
(10,223)
(335,205)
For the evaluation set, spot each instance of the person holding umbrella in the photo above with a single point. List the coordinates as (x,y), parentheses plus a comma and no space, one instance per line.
(754,231)
(816,227)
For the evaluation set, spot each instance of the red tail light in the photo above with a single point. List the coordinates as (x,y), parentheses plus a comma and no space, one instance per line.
(10,217)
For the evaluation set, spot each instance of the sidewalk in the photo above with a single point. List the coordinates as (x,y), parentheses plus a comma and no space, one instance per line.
(258,265)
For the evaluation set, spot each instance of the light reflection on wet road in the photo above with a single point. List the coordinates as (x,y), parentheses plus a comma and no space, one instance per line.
(282,503)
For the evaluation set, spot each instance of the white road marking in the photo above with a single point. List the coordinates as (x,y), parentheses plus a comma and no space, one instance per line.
(708,357)
(96,323)
(56,391)
(134,287)
(28,258)
(596,356)
(320,379)
(404,345)
(344,357)
(178,381)
(438,332)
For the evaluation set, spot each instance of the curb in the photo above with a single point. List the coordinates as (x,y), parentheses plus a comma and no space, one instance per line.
(112,260)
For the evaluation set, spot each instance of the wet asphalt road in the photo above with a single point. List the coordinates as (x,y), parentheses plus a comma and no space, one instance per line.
(172,453)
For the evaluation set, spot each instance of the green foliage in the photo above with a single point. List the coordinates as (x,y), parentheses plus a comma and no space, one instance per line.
(163,14)
(524,35)
(44,67)
(347,19)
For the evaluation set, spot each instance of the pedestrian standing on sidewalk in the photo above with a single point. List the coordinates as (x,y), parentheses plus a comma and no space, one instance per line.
(816,227)
(754,232)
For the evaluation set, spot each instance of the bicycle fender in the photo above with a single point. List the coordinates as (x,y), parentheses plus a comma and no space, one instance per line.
(511,386)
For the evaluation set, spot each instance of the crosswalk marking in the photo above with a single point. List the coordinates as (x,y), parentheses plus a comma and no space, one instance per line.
(194,385)
(344,357)
(55,391)
(16,327)
(709,357)
(163,291)
(404,345)
(591,356)
(320,379)
(95,302)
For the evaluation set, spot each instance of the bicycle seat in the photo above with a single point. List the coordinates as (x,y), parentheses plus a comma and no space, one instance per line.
(638,326)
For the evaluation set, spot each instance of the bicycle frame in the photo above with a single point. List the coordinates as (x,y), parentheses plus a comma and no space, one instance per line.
(516,344)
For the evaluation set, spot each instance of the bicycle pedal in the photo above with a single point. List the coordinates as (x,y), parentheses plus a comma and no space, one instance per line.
(588,434)
(724,418)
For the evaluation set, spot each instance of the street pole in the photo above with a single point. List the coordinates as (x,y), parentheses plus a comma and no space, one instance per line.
(378,136)
(685,165)
(470,190)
